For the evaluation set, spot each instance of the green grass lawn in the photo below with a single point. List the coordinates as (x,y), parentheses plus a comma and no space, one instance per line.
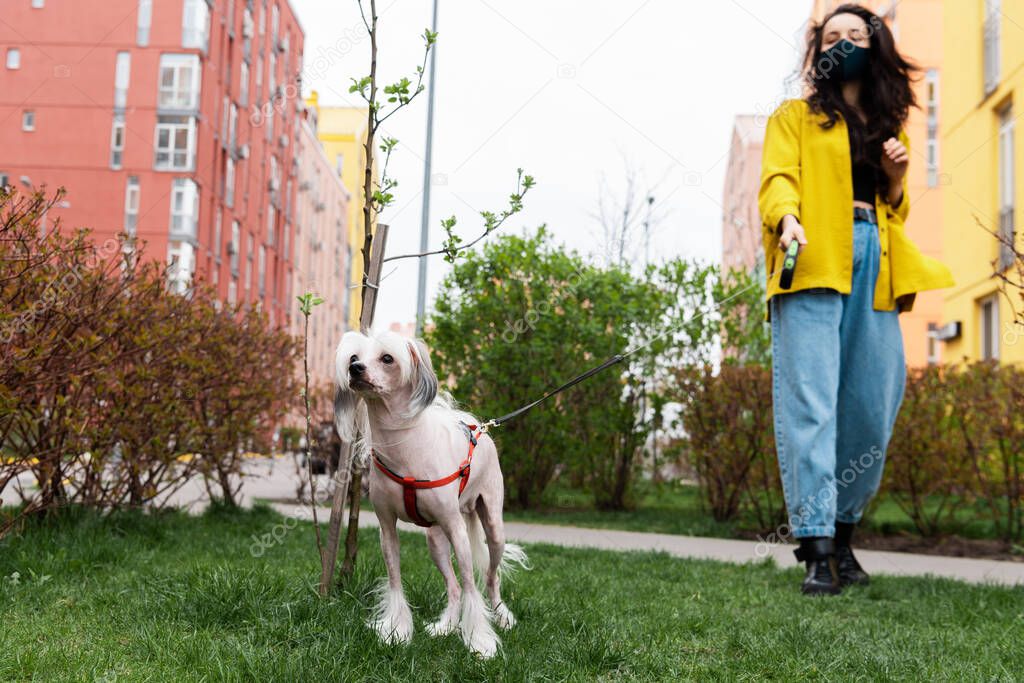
(674,508)
(172,598)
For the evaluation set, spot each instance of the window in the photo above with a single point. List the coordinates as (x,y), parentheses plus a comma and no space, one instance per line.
(339,163)
(346,299)
(271,219)
(933,344)
(248,29)
(132,193)
(243,83)
(248,262)
(1006,181)
(122,75)
(261,270)
(179,82)
(28,120)
(275,25)
(263,19)
(3,180)
(229,181)
(259,78)
(889,15)
(175,143)
(233,128)
(184,208)
(195,25)
(284,238)
(117,142)
(145,19)
(225,106)
(992,52)
(13,58)
(229,55)
(932,110)
(232,292)
(271,76)
(275,176)
(989,325)
(37,4)
(218,219)
(181,259)
(235,247)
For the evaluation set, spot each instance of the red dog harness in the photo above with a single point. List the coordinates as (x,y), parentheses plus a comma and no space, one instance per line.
(410,485)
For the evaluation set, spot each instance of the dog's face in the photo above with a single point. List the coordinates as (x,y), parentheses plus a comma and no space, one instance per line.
(379,366)
(387,367)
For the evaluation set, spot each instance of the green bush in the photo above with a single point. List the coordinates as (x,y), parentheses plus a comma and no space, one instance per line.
(729,441)
(959,442)
(523,317)
(114,390)
(957,448)
(927,471)
(989,401)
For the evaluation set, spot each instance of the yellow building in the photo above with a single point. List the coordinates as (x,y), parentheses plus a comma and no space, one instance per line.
(914,24)
(342,133)
(982,98)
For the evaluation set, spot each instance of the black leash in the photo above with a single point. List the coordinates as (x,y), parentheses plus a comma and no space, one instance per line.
(497,422)
(618,358)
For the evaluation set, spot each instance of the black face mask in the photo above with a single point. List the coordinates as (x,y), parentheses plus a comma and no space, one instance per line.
(844,61)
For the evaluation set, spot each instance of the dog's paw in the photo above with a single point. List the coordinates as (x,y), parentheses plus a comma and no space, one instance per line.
(392,633)
(391,618)
(448,623)
(483,643)
(503,617)
(475,623)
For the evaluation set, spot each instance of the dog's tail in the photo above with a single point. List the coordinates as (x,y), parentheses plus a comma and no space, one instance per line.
(513,557)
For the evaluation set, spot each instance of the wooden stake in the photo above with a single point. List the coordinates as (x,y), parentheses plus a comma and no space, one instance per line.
(354,483)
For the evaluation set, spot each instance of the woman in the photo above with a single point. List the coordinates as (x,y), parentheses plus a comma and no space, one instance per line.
(834,179)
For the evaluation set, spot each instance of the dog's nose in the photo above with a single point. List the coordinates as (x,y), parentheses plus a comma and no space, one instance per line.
(356,369)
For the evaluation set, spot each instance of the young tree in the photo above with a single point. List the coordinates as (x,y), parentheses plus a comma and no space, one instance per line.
(376,196)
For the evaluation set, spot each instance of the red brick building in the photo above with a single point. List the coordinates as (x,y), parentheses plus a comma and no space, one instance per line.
(174,121)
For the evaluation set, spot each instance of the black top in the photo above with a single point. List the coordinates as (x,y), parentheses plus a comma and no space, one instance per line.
(863,176)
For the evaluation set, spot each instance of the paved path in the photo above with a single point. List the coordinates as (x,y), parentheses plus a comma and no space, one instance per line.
(874,562)
(275,479)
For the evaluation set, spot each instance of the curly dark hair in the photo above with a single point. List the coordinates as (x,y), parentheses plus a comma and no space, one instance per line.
(885,95)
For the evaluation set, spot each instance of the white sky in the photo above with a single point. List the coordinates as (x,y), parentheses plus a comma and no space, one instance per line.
(568,91)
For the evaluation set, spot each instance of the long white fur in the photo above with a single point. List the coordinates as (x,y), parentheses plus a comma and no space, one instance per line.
(397,409)
(391,618)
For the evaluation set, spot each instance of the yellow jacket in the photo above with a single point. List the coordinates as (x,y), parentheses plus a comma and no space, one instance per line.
(805,171)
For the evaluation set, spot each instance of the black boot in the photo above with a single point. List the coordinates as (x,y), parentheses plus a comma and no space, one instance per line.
(850,571)
(822,578)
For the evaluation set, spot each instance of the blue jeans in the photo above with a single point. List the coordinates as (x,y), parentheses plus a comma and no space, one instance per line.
(838,375)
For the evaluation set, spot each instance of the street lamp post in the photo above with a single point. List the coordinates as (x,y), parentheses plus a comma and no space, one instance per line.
(421,292)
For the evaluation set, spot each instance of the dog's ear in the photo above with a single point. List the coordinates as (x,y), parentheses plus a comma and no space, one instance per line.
(424,380)
(345,402)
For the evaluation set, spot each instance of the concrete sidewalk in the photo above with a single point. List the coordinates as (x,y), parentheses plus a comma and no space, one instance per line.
(727,550)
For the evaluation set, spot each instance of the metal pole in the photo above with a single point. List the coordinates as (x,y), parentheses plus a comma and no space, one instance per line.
(421,292)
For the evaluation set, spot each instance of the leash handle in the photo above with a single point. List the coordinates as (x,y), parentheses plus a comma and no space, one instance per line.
(789,264)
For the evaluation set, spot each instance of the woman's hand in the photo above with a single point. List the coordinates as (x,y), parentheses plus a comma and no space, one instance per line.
(791,230)
(895,160)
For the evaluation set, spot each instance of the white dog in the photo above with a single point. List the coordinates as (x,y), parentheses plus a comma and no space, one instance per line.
(432,466)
